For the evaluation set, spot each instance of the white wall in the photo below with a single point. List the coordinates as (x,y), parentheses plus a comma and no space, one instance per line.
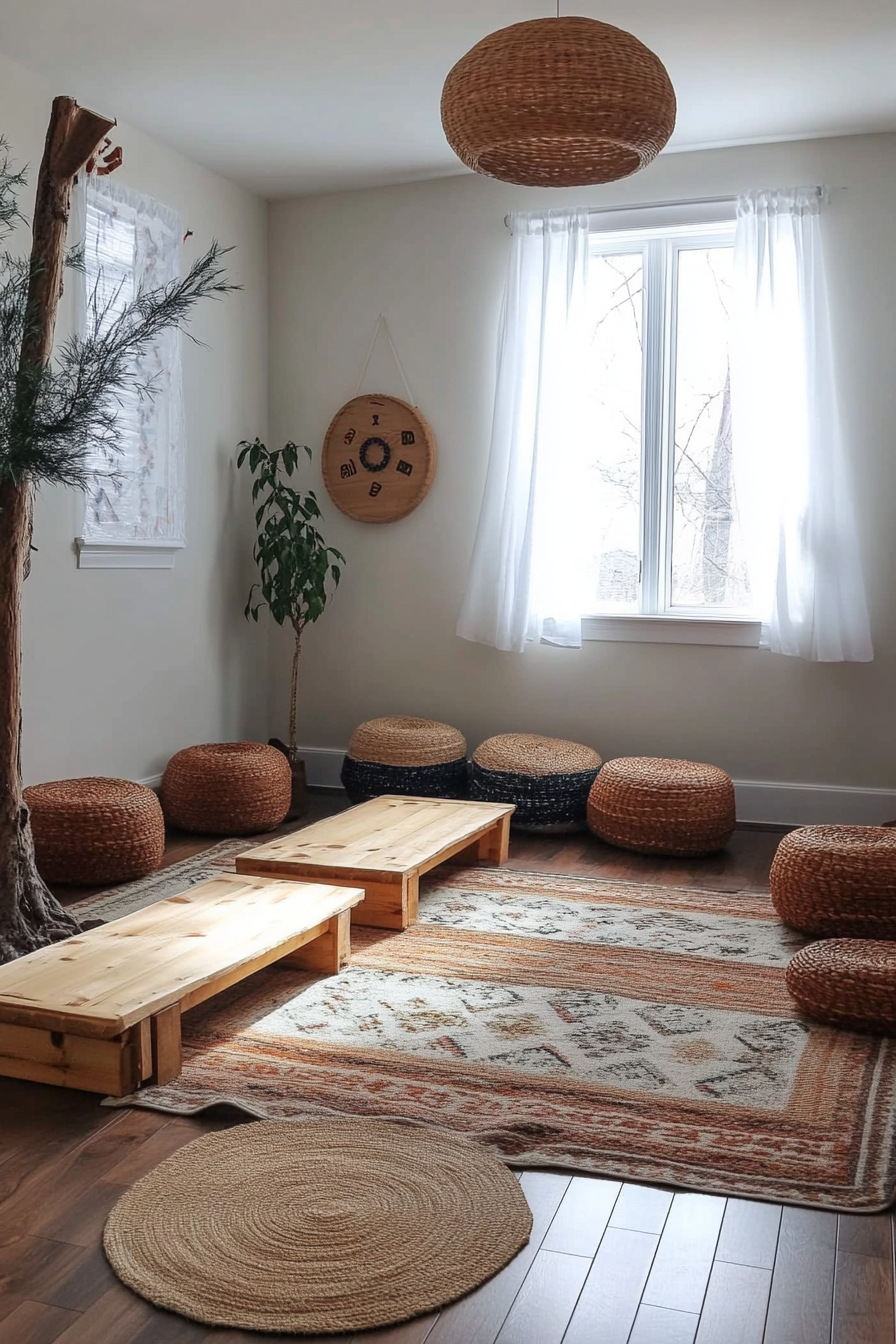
(432,256)
(123,667)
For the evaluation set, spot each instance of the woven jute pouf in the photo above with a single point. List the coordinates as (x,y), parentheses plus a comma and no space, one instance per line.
(547,778)
(657,806)
(320,1226)
(227,788)
(837,881)
(847,982)
(400,754)
(94,831)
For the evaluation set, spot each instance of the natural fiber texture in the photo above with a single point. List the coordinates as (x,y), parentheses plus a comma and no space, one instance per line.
(643,1033)
(227,788)
(848,982)
(559,102)
(658,806)
(547,778)
(323,1227)
(527,753)
(363,780)
(837,881)
(95,830)
(402,740)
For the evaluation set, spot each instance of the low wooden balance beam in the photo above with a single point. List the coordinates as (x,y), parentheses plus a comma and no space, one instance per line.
(385,846)
(101,1011)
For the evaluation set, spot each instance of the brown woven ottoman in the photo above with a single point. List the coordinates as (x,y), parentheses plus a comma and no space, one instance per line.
(847,982)
(417,758)
(227,788)
(657,806)
(95,831)
(546,778)
(837,881)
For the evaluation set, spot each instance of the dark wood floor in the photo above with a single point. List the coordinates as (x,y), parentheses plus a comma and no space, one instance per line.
(606,1264)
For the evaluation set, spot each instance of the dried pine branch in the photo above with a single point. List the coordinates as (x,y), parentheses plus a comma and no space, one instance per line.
(10,183)
(57,420)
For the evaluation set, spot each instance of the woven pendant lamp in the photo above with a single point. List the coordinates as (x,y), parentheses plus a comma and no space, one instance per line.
(559,102)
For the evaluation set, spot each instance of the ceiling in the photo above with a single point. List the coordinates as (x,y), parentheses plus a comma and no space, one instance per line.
(291,97)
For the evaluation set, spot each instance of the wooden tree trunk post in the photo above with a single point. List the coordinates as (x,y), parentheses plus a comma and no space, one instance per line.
(30,916)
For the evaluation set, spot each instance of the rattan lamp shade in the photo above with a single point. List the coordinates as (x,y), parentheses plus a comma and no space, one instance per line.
(561,102)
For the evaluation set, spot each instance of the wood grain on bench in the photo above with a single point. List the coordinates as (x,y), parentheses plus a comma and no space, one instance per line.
(101,1011)
(385,845)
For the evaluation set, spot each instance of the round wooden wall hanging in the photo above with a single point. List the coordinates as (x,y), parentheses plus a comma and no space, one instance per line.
(379,458)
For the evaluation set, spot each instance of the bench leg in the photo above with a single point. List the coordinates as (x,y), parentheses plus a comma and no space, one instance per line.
(84,1062)
(143,1039)
(494,847)
(166,1050)
(472,854)
(330,952)
(389,905)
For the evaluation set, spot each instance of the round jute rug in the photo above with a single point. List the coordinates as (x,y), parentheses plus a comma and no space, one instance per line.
(317,1227)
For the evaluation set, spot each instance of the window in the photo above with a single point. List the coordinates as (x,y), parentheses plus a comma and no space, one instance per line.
(665,538)
(636,475)
(132,242)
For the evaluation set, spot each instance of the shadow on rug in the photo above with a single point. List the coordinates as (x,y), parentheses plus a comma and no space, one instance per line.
(632,1031)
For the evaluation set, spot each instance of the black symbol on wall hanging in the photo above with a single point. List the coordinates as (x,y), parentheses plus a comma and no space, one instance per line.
(349,437)
(375,454)
(348,469)
(407,438)
(404,467)
(375,489)
(376,419)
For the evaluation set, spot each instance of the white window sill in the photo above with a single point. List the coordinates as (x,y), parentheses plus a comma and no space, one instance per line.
(738,631)
(126,555)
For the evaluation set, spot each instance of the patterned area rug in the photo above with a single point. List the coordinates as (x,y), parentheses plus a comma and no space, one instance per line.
(633,1031)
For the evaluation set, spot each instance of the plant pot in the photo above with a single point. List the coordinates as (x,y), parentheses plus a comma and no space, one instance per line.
(299,803)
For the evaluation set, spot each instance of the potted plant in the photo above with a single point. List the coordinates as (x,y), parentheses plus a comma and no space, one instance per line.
(295,565)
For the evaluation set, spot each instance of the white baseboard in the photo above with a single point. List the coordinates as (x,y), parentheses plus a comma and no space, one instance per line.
(758,801)
(812,804)
(323,766)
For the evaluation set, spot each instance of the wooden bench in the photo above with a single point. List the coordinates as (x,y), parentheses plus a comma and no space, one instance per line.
(385,845)
(101,1011)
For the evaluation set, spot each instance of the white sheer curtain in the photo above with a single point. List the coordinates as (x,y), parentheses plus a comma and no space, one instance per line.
(790,470)
(525,573)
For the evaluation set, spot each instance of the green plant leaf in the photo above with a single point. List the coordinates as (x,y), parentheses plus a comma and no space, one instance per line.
(297,570)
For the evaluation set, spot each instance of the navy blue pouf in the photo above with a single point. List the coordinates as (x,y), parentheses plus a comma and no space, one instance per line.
(368,779)
(418,758)
(547,778)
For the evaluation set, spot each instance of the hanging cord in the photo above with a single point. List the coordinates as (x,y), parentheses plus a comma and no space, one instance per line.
(382,325)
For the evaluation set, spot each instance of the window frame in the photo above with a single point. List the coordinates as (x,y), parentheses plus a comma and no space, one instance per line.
(658,620)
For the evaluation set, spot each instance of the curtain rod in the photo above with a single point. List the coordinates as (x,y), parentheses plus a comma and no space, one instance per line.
(664,205)
(652,205)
